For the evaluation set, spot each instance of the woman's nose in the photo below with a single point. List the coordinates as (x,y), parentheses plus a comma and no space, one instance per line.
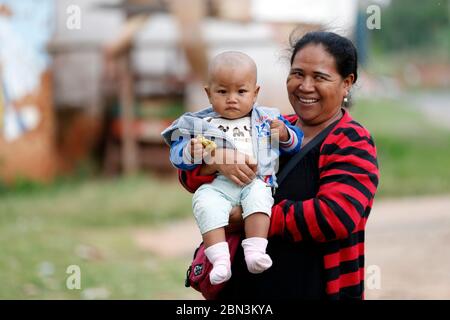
(307,84)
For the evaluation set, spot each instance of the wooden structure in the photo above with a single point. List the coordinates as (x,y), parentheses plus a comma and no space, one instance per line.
(189,15)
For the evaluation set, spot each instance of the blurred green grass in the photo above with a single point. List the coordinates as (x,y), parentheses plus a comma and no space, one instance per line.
(413,153)
(44,229)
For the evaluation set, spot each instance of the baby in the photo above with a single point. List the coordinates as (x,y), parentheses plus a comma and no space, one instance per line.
(233,121)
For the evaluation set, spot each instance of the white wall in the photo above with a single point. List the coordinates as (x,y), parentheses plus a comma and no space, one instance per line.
(78,77)
(339,15)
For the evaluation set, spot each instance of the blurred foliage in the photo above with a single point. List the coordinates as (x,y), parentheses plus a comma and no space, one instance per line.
(166,110)
(83,171)
(93,224)
(412,24)
(95,202)
(413,153)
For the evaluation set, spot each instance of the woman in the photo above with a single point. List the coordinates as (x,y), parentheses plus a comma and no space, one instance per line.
(316,237)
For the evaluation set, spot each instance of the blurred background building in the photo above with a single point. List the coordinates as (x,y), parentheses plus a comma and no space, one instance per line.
(101,79)
(116,73)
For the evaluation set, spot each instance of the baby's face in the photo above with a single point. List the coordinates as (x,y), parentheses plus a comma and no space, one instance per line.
(232,91)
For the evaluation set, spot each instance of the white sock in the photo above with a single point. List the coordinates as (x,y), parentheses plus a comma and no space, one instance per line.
(219,255)
(255,254)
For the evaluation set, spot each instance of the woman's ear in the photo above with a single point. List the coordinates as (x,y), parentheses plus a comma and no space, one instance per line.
(348,82)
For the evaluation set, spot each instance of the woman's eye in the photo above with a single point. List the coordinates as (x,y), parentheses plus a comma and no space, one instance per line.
(320,77)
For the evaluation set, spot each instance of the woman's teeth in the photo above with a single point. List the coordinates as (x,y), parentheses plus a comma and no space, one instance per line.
(307,101)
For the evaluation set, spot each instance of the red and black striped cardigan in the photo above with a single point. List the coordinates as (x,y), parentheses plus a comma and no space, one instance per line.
(337,216)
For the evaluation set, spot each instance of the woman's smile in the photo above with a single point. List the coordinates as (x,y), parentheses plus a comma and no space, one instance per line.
(307,101)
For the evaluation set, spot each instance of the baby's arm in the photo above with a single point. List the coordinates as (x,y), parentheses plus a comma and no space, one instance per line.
(283,134)
(290,136)
(182,154)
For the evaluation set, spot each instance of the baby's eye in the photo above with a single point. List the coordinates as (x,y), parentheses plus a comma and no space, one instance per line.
(221,91)
(241,91)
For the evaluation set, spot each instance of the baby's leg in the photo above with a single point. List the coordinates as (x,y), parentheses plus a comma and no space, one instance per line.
(255,244)
(211,210)
(257,206)
(257,225)
(213,237)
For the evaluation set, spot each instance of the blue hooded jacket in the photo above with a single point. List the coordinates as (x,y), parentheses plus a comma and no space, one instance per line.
(266,149)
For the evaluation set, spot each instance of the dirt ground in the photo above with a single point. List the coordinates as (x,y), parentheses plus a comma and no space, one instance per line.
(408,240)
(407,254)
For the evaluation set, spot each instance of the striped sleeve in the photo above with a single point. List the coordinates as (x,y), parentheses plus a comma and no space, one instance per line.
(348,171)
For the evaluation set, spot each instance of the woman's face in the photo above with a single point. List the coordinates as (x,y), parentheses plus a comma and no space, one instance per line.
(314,86)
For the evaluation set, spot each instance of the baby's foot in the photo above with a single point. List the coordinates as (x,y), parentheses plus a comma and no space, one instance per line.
(255,254)
(220,272)
(219,255)
(258,262)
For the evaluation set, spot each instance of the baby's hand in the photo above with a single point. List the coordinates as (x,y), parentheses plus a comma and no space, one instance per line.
(208,144)
(197,150)
(280,126)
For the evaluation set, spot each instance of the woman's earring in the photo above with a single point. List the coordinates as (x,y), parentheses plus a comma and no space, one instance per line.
(345,99)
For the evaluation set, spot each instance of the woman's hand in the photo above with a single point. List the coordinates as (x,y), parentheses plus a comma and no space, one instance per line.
(236,166)
(236,223)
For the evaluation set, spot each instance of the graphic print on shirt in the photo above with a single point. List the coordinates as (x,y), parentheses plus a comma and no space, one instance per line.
(264,141)
(237,130)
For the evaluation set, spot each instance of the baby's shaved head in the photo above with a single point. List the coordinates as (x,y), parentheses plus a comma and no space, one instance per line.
(232,88)
(231,60)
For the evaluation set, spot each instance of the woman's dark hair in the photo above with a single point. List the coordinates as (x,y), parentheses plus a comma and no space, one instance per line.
(341,48)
